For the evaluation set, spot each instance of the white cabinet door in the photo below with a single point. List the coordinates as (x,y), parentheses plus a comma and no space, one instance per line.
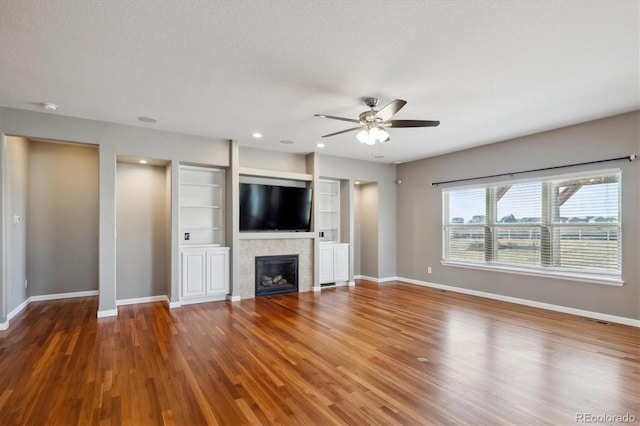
(334,263)
(326,263)
(193,273)
(217,271)
(341,262)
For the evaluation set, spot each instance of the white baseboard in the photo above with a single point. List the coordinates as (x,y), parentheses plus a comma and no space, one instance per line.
(149,299)
(541,305)
(232,298)
(45,297)
(366,278)
(57,296)
(162,298)
(375,280)
(108,313)
(17,310)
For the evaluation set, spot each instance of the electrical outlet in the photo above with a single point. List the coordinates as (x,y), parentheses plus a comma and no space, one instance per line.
(429,270)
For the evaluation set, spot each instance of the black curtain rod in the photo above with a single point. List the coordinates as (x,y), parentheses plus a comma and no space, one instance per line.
(628,157)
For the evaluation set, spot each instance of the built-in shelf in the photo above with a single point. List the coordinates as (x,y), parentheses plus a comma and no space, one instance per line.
(328,221)
(201,206)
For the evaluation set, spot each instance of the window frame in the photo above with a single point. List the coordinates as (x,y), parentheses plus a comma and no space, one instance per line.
(547,226)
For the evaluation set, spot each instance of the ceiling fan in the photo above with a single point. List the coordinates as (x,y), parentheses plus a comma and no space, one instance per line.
(373,123)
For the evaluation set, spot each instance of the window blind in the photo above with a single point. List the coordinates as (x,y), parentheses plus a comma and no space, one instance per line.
(569,224)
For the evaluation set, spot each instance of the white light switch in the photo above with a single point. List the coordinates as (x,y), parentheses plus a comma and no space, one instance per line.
(17,219)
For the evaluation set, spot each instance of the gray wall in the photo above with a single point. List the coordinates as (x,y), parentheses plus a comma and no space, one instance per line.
(419,234)
(271,160)
(141,218)
(63,218)
(17,185)
(112,140)
(384,175)
(369,206)
(357,270)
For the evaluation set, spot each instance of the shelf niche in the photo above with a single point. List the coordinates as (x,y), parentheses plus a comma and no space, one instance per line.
(201,206)
(328,225)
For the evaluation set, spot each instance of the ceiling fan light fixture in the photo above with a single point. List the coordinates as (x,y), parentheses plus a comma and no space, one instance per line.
(374,134)
(363,136)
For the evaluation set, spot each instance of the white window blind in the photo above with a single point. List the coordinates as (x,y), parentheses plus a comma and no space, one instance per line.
(568,224)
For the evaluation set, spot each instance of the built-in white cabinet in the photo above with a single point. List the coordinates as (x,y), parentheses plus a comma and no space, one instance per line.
(329,210)
(205,273)
(201,206)
(334,263)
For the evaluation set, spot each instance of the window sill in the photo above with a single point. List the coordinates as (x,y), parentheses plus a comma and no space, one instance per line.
(586,278)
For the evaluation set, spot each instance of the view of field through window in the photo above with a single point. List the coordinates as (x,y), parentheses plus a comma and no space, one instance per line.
(563,224)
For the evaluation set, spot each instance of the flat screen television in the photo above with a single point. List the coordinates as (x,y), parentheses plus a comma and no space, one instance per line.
(274,208)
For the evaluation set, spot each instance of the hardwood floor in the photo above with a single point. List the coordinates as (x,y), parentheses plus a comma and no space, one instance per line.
(342,356)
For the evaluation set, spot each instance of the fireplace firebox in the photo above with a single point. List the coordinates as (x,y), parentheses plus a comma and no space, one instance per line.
(276,274)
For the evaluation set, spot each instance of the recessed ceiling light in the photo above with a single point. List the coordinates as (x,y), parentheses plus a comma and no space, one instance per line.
(320,145)
(397,162)
(286,142)
(147,119)
(49,106)
(257,135)
(357,182)
(142,161)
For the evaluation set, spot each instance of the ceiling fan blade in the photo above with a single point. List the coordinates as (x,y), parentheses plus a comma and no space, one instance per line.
(343,131)
(351,120)
(413,123)
(390,109)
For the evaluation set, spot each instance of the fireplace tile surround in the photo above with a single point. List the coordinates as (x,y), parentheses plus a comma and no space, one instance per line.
(249,249)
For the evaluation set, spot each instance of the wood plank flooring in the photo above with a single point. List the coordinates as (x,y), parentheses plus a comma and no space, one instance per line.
(342,356)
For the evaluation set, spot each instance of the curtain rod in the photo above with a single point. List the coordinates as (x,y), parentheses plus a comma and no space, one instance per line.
(628,157)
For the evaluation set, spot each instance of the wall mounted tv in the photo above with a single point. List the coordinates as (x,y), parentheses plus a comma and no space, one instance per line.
(274,208)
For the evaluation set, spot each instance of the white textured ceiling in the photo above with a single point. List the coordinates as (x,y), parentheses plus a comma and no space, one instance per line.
(488,70)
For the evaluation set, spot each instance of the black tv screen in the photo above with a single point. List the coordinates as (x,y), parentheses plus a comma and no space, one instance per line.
(274,208)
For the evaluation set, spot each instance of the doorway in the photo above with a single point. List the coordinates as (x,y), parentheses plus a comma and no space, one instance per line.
(52,227)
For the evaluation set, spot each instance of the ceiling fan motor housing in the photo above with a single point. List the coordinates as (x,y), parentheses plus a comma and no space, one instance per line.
(371,102)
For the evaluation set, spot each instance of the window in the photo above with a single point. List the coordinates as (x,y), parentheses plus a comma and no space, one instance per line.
(567,225)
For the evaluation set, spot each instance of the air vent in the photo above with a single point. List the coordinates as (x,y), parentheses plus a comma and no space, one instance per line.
(597,321)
